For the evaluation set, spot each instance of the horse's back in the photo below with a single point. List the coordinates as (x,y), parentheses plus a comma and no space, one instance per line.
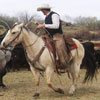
(79,49)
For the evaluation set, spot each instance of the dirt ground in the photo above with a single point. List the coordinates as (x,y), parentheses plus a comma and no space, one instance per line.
(21,86)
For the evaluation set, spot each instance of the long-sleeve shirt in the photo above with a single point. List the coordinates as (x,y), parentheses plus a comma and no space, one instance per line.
(55,22)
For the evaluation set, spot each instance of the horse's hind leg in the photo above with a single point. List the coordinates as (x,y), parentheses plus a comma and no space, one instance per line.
(74,81)
(75,75)
(49,76)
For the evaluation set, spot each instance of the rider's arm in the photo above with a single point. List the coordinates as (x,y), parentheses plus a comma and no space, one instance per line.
(55,22)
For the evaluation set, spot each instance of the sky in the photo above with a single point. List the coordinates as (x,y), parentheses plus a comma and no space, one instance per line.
(72,8)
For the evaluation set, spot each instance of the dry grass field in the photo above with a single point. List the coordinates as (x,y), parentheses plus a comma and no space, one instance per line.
(21,86)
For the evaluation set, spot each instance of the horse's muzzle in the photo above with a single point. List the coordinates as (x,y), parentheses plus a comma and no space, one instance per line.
(3,45)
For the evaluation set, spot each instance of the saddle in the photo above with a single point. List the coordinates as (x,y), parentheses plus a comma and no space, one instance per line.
(70,44)
(50,43)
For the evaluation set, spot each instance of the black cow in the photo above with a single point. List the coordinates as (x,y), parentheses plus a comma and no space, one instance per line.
(89,60)
(18,59)
(89,52)
(97,55)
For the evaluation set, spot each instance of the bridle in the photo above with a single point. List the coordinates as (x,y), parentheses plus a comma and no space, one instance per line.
(9,44)
(6,49)
(13,39)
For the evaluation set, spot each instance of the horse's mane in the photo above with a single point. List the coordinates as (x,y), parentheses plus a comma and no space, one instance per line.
(14,25)
(26,28)
(29,31)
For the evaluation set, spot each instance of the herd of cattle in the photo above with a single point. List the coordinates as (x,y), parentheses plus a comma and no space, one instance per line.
(18,60)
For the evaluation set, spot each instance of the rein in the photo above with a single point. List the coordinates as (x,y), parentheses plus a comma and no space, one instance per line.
(5,49)
(18,36)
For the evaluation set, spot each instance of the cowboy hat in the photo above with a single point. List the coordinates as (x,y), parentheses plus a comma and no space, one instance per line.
(43,6)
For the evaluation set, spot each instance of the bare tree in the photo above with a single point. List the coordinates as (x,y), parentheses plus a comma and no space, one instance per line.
(85,20)
(26,17)
(68,19)
(90,22)
(7,19)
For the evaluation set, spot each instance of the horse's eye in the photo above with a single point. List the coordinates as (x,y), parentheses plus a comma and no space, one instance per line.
(13,32)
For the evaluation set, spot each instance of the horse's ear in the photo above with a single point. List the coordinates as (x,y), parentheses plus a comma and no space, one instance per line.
(21,25)
(16,23)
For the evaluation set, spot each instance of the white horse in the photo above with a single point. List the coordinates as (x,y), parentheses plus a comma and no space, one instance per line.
(32,45)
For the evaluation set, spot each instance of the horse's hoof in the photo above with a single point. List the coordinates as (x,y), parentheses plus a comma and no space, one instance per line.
(71,94)
(36,95)
(59,91)
(3,86)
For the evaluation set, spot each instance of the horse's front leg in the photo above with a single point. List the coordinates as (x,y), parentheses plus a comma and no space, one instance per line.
(49,77)
(37,80)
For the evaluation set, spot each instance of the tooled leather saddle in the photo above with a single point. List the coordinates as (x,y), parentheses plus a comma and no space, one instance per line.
(70,45)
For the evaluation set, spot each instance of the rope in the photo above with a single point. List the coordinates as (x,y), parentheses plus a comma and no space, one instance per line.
(5,23)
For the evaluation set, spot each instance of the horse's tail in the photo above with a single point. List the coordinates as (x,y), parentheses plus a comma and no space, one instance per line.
(90,65)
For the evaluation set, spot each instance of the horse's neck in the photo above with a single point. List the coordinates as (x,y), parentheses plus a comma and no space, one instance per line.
(32,43)
(28,38)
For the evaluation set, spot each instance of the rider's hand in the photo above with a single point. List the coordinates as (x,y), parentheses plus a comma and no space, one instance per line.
(41,26)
